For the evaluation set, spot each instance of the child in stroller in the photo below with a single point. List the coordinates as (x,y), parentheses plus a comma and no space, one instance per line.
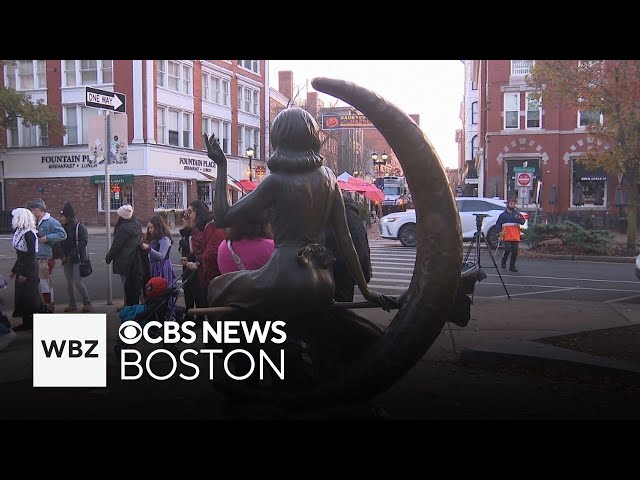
(160,305)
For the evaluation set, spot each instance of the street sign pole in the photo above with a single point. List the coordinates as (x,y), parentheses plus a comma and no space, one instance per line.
(107,206)
(115,102)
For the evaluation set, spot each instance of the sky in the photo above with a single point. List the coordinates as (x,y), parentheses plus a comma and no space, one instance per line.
(431,88)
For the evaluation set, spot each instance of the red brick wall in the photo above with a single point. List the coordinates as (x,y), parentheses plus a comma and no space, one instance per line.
(123,83)
(83,196)
(198,141)
(54,95)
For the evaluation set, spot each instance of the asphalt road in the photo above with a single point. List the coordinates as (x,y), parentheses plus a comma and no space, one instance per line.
(536,278)
(392,271)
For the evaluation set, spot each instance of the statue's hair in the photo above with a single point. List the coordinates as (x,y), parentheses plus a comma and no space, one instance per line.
(295,137)
(23,219)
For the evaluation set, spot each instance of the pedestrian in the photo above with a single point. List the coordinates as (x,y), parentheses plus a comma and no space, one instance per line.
(27,298)
(203,250)
(248,246)
(508,224)
(50,231)
(157,243)
(345,284)
(125,254)
(183,249)
(74,248)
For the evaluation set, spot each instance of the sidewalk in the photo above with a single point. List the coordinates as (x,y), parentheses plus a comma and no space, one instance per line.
(493,365)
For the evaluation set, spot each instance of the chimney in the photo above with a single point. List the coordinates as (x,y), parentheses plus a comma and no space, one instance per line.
(312,104)
(416,118)
(285,84)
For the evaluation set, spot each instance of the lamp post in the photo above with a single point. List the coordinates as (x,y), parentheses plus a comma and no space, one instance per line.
(379,163)
(250,153)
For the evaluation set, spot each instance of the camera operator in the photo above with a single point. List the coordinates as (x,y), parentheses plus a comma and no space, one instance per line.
(509,223)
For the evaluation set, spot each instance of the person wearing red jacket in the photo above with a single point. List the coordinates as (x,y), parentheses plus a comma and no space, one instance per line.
(509,223)
(203,250)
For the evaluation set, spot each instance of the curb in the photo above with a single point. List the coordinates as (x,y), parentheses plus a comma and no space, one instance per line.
(582,258)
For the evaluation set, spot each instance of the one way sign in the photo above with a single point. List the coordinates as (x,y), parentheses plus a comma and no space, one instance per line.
(104,99)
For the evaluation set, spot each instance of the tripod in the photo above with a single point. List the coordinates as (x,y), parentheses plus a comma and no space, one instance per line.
(476,242)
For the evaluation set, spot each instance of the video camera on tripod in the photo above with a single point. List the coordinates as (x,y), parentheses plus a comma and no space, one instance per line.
(479,218)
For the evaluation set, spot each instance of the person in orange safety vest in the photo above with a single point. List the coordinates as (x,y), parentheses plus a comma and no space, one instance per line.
(509,223)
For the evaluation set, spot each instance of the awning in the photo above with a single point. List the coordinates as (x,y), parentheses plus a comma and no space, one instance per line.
(113,179)
(360,186)
(230,182)
(247,185)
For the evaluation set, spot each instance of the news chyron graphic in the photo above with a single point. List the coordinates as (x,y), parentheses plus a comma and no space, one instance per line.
(177,345)
(69,350)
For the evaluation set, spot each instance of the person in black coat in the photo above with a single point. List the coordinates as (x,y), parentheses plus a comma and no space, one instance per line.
(25,270)
(344,282)
(73,247)
(183,248)
(126,254)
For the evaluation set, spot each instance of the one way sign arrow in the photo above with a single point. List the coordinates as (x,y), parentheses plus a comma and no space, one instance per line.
(97,98)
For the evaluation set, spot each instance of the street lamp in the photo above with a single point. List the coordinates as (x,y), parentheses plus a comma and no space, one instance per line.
(250,153)
(379,163)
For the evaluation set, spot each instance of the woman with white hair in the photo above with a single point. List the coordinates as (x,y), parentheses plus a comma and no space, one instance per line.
(27,296)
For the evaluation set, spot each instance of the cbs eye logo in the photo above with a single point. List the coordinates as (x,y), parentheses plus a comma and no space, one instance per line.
(130,332)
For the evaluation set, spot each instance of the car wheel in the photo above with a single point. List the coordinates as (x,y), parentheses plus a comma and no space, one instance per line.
(492,237)
(407,235)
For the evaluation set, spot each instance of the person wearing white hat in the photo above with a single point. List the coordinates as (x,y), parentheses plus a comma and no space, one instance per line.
(124,253)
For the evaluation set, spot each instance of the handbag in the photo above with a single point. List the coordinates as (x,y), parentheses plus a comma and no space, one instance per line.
(85,263)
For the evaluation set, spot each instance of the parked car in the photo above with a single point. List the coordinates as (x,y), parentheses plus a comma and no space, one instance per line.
(638,267)
(402,225)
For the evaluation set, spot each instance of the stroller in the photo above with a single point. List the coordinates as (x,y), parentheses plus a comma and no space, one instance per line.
(160,305)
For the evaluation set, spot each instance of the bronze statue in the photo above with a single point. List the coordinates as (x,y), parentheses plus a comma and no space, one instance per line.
(297,282)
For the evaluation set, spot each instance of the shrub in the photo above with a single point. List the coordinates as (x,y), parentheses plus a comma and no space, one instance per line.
(572,235)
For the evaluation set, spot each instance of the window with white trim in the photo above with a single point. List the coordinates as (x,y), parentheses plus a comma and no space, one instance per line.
(474,147)
(174,127)
(221,130)
(169,194)
(248,137)
(86,72)
(175,75)
(521,67)
(474,85)
(534,113)
(474,113)
(19,135)
(512,110)
(26,75)
(76,120)
(215,89)
(589,117)
(588,187)
(253,65)
(248,100)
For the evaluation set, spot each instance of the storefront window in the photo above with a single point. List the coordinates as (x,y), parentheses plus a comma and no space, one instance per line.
(512,190)
(204,192)
(169,194)
(121,194)
(588,187)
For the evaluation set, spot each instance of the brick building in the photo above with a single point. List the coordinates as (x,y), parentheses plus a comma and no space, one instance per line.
(163,164)
(505,129)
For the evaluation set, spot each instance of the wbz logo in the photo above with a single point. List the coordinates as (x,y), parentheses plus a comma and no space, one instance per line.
(74,349)
(69,350)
